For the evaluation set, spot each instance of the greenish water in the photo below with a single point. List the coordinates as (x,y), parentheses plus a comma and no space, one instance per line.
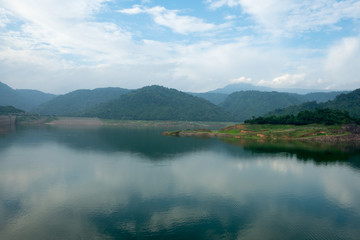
(118,183)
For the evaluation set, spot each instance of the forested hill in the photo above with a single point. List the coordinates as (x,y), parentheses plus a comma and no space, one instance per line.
(79,101)
(349,102)
(246,104)
(159,103)
(6,110)
(23,99)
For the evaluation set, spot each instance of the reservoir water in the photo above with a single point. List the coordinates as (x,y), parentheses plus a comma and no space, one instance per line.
(121,183)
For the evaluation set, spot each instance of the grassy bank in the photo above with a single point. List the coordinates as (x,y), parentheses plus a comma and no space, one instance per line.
(268,132)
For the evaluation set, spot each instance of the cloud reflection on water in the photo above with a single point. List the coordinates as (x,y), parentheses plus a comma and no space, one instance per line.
(53,190)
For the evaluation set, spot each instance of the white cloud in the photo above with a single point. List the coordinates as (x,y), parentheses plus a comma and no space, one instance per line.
(4,17)
(230,17)
(289,79)
(342,63)
(171,19)
(241,80)
(286,80)
(64,44)
(41,10)
(343,53)
(214,4)
(208,65)
(136,9)
(286,17)
(66,27)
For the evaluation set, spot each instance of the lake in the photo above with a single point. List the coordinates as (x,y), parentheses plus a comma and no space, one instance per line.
(133,183)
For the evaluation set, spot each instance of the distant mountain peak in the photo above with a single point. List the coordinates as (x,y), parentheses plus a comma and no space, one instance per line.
(236,87)
(22,98)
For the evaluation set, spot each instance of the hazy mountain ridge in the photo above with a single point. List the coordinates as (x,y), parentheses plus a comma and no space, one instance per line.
(346,101)
(215,98)
(156,102)
(76,102)
(237,87)
(22,98)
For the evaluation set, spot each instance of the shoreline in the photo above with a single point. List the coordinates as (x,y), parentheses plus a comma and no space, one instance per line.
(97,122)
(311,133)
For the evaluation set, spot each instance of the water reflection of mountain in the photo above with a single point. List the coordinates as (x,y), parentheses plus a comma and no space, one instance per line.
(149,143)
(319,153)
(144,141)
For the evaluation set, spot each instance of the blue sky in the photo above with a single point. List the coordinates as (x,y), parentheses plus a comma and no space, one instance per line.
(59,46)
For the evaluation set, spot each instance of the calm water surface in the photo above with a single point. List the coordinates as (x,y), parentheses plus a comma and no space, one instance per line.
(116,183)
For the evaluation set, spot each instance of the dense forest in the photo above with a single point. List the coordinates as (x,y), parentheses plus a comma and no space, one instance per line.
(318,116)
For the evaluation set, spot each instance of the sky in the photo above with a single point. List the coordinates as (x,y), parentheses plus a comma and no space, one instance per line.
(59,46)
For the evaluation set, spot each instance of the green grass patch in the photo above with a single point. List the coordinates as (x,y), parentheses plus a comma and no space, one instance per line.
(276,132)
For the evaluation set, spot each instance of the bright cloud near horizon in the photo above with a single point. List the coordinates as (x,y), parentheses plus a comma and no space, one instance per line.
(59,46)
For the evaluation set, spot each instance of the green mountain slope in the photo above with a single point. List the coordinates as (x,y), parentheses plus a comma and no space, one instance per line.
(246,104)
(159,103)
(79,101)
(349,102)
(23,99)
